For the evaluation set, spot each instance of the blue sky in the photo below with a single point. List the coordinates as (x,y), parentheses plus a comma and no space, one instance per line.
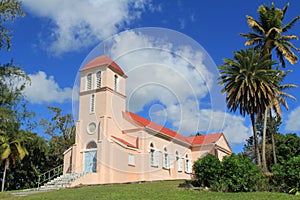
(54,38)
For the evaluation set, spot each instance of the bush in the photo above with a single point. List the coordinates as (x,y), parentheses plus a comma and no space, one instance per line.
(235,174)
(286,176)
(240,174)
(207,171)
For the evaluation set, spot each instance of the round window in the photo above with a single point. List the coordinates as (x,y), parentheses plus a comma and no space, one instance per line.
(91,127)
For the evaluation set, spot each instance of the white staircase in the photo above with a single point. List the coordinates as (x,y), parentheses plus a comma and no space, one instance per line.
(61,181)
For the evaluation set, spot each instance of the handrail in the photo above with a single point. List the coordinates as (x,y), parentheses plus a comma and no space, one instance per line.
(49,175)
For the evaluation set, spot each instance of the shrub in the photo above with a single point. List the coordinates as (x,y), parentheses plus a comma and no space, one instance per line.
(286,176)
(235,174)
(207,171)
(240,174)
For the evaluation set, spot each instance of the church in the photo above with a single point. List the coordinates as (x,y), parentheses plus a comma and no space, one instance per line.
(113,145)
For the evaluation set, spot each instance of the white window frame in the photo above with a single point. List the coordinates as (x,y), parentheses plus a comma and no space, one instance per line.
(179,163)
(89,81)
(116,83)
(98,82)
(154,155)
(165,160)
(92,103)
(188,165)
(131,159)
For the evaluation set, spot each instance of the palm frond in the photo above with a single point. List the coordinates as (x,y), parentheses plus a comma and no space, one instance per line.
(255,25)
(290,24)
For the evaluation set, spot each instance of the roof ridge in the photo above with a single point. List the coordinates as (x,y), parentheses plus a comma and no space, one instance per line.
(188,139)
(103,60)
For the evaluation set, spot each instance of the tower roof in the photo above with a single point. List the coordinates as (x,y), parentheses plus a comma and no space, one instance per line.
(104,60)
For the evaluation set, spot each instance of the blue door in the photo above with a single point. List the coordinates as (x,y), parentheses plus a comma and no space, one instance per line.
(90,161)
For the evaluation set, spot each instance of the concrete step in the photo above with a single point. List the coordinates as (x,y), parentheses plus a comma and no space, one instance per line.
(61,181)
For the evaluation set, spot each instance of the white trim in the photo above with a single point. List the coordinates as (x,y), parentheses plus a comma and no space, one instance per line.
(92,103)
(123,145)
(131,159)
(69,149)
(87,128)
(86,81)
(96,79)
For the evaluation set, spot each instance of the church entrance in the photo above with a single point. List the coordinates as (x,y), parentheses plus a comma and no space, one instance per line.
(90,161)
(90,158)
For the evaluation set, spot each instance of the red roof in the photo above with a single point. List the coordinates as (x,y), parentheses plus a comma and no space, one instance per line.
(194,140)
(205,139)
(124,142)
(104,60)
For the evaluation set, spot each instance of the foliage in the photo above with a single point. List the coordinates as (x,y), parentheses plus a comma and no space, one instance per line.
(9,10)
(240,174)
(287,145)
(287,176)
(269,33)
(61,130)
(250,86)
(208,170)
(25,174)
(235,173)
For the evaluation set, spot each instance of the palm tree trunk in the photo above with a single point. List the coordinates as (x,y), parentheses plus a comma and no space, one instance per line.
(4,173)
(273,141)
(274,148)
(263,151)
(256,149)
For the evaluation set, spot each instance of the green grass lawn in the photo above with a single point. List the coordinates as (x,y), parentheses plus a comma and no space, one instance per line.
(155,190)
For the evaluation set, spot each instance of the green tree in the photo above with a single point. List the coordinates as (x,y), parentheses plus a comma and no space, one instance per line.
(24,174)
(12,150)
(9,10)
(269,33)
(250,84)
(61,130)
(12,82)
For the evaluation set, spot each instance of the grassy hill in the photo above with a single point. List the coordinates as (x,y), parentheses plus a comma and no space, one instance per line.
(154,190)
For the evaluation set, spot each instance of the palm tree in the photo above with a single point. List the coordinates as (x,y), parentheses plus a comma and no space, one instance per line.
(268,34)
(11,151)
(280,99)
(250,84)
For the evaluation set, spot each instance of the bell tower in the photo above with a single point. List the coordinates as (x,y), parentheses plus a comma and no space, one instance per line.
(102,102)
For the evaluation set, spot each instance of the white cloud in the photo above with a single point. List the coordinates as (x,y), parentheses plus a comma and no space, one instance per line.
(187,119)
(157,70)
(79,24)
(44,89)
(292,123)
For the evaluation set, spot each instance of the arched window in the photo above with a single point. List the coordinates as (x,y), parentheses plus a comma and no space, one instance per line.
(179,162)
(116,83)
(165,158)
(91,145)
(92,103)
(154,156)
(188,164)
(89,82)
(98,79)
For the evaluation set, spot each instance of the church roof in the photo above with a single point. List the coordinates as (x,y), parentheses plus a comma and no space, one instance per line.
(124,142)
(193,140)
(104,60)
(204,139)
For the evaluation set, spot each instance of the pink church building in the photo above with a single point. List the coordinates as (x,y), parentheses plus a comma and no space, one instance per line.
(114,145)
